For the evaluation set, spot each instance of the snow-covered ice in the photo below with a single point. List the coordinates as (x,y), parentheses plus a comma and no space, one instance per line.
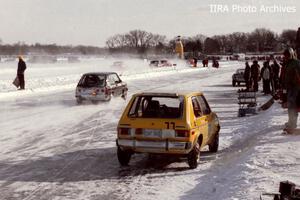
(52,148)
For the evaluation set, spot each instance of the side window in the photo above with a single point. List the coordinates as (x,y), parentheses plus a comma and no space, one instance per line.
(138,107)
(134,109)
(204,105)
(81,81)
(117,78)
(114,78)
(196,107)
(110,80)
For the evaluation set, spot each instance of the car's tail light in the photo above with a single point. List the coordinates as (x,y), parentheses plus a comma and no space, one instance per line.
(124,131)
(182,133)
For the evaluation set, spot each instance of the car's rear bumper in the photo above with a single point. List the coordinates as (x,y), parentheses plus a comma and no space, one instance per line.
(99,97)
(163,146)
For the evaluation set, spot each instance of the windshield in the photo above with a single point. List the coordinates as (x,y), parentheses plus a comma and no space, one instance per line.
(156,107)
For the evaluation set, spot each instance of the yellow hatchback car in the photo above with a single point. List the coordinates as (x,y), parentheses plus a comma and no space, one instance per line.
(167,123)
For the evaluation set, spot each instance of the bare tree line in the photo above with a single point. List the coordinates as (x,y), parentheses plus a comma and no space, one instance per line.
(143,42)
(259,40)
(135,41)
(21,48)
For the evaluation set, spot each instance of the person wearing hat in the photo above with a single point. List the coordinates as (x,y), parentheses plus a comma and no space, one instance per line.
(292,84)
(20,72)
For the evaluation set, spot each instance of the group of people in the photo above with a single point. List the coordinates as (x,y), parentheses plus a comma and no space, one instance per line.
(269,74)
(275,78)
(194,62)
(215,63)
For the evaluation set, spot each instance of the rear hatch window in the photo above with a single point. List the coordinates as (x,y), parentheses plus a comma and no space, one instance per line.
(157,107)
(89,81)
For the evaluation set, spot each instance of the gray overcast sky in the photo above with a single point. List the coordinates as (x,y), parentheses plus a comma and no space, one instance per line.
(91,22)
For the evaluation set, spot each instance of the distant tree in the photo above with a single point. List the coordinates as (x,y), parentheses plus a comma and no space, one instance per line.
(237,41)
(223,42)
(116,41)
(137,40)
(191,45)
(288,37)
(262,39)
(199,37)
(143,39)
(211,46)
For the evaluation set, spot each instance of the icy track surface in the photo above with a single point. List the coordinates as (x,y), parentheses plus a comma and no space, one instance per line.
(51,148)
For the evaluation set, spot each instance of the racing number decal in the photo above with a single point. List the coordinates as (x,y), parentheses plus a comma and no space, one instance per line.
(170,123)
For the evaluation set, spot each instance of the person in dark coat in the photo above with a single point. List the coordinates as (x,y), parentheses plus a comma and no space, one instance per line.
(205,62)
(292,84)
(275,69)
(195,62)
(215,63)
(255,72)
(266,75)
(20,73)
(247,75)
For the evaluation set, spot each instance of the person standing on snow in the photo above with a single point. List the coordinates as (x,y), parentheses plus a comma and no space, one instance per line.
(195,62)
(20,73)
(292,84)
(275,69)
(205,62)
(255,71)
(247,74)
(266,75)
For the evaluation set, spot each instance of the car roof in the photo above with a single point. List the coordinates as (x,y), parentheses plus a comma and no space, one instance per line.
(99,73)
(169,94)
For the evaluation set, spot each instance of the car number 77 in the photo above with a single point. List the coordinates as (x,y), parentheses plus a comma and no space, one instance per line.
(170,123)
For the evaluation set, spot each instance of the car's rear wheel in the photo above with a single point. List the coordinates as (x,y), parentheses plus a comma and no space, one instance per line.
(193,156)
(108,97)
(214,146)
(233,83)
(123,156)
